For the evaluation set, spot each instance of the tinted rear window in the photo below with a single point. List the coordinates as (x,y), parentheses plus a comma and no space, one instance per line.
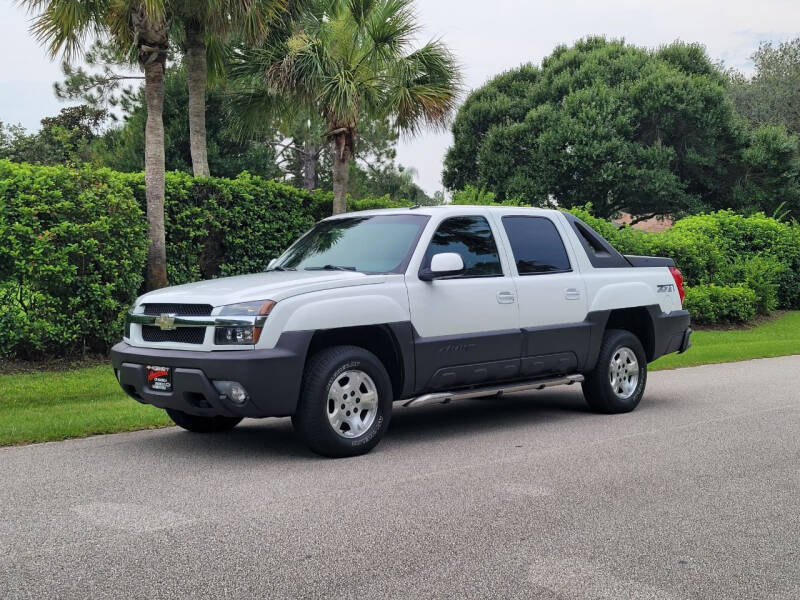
(537,245)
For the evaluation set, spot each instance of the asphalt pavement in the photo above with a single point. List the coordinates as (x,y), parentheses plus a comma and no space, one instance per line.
(696,494)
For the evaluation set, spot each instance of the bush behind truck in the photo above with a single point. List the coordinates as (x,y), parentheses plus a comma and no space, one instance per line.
(73,249)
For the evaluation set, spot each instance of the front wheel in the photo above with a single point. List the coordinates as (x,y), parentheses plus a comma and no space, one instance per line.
(617,383)
(198,424)
(346,402)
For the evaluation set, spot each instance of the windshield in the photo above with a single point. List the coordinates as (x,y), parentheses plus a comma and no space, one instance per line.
(371,244)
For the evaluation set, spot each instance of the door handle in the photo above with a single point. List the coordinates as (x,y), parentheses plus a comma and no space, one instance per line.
(572,294)
(506,297)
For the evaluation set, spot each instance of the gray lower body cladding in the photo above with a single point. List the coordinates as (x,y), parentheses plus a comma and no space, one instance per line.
(272,377)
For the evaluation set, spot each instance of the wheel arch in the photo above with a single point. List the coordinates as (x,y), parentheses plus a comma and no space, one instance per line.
(639,320)
(392,343)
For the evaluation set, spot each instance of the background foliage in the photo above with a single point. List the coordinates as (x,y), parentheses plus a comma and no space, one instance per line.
(649,132)
(72,256)
(73,240)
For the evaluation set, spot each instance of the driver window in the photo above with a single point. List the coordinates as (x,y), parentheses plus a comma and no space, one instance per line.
(472,239)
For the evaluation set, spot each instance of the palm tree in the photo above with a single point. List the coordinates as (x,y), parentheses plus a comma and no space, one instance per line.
(206,25)
(139,26)
(344,60)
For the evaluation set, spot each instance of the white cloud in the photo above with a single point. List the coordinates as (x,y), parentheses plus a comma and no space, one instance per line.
(488,37)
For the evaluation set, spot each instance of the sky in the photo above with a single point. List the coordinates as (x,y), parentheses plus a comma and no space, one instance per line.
(487,37)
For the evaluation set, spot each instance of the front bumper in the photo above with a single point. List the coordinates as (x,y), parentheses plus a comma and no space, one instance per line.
(272,377)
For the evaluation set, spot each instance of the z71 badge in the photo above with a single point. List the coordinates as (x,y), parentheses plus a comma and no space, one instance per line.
(665,288)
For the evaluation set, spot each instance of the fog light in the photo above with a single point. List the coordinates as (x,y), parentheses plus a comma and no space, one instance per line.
(232,390)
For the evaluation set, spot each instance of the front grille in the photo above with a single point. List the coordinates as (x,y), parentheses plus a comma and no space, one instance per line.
(185,310)
(182,335)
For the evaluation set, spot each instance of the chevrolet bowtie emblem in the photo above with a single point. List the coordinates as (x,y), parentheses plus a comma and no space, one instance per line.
(165,321)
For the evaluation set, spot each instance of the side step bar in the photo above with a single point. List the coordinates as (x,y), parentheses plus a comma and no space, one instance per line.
(497,390)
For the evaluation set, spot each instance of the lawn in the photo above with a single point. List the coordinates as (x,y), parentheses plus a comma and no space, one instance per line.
(776,337)
(57,405)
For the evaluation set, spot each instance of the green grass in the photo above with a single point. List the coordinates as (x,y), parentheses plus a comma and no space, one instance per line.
(776,337)
(56,405)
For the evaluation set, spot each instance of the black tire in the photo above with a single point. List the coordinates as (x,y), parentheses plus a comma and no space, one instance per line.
(198,424)
(597,387)
(311,420)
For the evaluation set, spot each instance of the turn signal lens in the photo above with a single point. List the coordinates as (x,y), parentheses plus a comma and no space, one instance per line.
(248,309)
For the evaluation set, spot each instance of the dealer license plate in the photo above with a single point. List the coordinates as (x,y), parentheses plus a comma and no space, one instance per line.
(159,378)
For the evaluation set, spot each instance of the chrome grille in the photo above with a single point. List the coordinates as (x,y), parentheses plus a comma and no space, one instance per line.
(187,310)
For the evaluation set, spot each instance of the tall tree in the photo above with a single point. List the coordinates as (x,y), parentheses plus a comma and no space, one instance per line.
(206,26)
(141,25)
(772,95)
(121,147)
(625,128)
(345,60)
(63,139)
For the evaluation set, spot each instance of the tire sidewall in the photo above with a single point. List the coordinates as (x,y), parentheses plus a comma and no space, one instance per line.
(378,375)
(624,339)
(311,419)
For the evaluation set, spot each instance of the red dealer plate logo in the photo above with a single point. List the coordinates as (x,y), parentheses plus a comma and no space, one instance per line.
(159,378)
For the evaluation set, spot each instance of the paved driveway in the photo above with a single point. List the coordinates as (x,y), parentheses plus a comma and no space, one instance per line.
(694,495)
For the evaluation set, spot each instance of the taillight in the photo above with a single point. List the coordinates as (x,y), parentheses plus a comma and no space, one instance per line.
(678,277)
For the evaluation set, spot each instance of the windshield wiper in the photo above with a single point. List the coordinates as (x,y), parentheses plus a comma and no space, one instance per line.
(281,269)
(330,268)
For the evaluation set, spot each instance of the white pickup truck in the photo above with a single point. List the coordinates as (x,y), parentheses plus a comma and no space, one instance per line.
(414,306)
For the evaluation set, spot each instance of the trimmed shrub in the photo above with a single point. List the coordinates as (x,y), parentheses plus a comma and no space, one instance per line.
(72,257)
(719,304)
(217,227)
(322,204)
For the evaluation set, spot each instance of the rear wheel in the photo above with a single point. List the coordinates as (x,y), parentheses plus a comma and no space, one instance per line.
(617,383)
(346,402)
(198,424)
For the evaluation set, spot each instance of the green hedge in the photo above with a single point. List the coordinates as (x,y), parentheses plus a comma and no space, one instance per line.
(72,254)
(711,303)
(723,250)
(73,249)
(218,227)
(73,246)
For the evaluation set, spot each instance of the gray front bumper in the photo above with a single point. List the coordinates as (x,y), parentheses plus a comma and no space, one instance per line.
(272,377)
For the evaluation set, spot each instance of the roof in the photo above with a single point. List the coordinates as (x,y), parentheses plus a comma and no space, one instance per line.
(449,209)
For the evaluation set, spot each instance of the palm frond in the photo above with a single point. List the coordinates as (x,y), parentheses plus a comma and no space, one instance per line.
(424,88)
(63,26)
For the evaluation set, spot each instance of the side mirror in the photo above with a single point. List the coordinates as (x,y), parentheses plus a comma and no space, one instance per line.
(444,264)
(272,263)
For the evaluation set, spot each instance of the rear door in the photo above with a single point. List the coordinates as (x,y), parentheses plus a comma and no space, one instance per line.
(467,326)
(552,296)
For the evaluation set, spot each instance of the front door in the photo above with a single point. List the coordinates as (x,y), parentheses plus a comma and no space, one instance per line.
(467,325)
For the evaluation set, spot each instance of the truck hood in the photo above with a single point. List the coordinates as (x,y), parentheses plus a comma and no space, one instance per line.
(274,285)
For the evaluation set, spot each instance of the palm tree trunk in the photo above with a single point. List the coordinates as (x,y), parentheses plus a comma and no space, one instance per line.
(310,156)
(341,172)
(154,174)
(197,68)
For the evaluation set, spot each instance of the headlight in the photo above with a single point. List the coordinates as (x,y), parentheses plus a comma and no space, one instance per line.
(247,309)
(242,334)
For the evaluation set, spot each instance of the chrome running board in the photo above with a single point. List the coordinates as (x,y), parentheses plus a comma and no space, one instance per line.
(496,390)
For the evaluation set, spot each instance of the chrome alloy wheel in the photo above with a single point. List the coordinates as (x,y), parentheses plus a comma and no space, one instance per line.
(623,372)
(352,403)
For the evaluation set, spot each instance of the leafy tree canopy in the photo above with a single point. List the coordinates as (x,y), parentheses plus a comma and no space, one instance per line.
(622,127)
(772,95)
(63,139)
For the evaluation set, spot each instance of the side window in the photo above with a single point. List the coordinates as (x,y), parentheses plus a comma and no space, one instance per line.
(537,245)
(472,239)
